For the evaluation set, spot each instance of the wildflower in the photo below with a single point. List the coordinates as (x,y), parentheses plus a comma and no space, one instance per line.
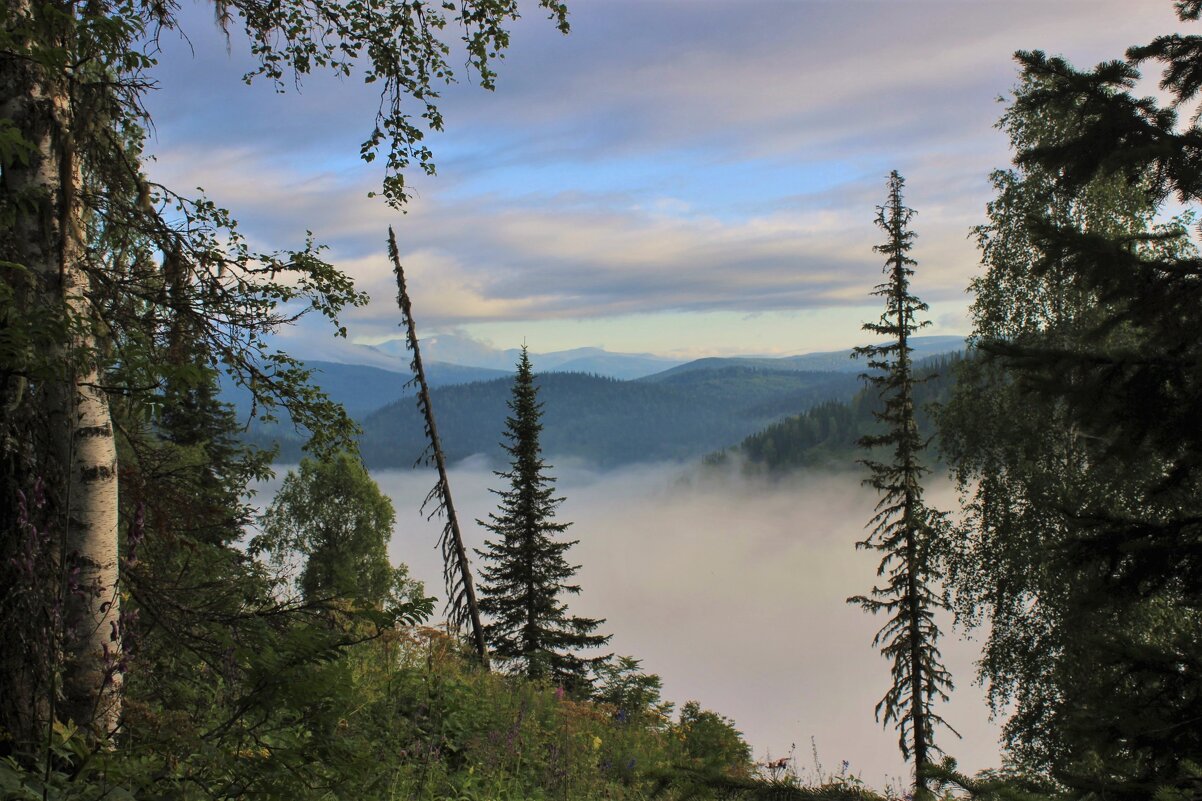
(596,743)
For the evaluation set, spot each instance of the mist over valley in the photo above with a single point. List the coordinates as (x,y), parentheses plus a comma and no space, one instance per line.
(733,589)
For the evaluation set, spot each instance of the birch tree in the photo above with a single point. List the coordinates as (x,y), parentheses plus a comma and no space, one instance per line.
(72,78)
(45,269)
(1086,553)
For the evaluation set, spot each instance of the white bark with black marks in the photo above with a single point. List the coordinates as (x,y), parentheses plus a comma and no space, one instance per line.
(48,242)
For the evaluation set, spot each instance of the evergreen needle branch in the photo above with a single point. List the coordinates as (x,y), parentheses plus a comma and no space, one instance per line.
(903,528)
(461,592)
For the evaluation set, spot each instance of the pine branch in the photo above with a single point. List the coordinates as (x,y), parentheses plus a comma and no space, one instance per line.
(461,593)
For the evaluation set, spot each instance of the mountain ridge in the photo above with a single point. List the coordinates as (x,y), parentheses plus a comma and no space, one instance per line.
(468,352)
(604,421)
(679,413)
(834,360)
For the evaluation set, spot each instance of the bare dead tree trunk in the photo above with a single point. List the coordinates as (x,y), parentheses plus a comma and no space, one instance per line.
(461,592)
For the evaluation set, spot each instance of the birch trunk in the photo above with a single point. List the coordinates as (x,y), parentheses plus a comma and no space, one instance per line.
(71,409)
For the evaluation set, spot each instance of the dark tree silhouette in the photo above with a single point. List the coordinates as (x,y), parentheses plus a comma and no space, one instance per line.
(903,528)
(461,592)
(526,572)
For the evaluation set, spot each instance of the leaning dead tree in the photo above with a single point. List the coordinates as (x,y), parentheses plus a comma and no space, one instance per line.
(461,592)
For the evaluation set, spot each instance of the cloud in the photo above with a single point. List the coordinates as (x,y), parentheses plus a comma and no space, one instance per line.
(484,259)
(697,157)
(817,78)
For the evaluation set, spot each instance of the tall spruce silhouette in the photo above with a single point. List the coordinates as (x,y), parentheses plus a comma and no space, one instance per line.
(525,572)
(903,528)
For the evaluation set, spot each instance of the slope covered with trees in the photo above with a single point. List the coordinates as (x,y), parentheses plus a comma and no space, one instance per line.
(826,435)
(359,389)
(604,421)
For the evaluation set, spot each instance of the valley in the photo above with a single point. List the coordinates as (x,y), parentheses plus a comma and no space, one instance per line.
(681,413)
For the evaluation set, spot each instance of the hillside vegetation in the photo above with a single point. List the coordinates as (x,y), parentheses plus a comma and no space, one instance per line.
(677,414)
(825,435)
(604,421)
(359,389)
(403,714)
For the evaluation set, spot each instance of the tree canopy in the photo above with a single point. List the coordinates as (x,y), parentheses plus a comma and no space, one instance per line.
(1075,436)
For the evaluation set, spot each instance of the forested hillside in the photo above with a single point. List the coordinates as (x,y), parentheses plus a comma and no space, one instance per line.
(826,435)
(604,421)
(357,388)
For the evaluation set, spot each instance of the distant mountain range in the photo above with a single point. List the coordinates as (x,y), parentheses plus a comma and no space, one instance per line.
(463,351)
(603,421)
(836,360)
(680,411)
(456,349)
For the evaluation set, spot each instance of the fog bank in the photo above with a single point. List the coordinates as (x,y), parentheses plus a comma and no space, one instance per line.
(732,590)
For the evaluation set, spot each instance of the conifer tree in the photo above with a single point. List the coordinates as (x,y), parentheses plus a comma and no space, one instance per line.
(903,528)
(526,573)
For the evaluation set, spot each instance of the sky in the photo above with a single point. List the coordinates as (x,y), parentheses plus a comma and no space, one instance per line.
(680,177)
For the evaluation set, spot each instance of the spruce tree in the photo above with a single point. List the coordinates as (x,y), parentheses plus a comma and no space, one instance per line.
(903,528)
(525,572)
